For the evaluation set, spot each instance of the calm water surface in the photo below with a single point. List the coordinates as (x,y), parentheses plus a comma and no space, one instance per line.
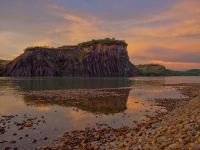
(61,118)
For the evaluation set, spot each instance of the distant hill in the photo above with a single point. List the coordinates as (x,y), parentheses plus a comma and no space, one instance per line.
(3,64)
(192,72)
(151,69)
(160,70)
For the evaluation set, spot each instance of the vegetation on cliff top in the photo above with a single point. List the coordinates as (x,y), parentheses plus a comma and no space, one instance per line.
(106,41)
(75,51)
(33,48)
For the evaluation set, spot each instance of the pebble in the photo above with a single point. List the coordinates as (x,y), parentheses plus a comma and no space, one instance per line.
(172,130)
(194,146)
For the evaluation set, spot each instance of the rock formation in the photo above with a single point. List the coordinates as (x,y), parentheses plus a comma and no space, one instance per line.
(3,64)
(96,58)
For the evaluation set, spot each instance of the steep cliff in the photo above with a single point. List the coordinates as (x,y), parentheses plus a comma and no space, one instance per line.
(97,58)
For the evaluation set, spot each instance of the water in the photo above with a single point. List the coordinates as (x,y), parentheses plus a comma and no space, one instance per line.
(62,117)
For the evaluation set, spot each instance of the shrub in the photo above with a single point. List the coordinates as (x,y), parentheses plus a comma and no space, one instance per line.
(106,41)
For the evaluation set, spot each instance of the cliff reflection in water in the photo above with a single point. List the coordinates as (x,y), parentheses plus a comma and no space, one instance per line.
(103,101)
(58,83)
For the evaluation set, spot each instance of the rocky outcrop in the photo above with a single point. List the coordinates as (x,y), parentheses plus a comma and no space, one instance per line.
(97,58)
(3,64)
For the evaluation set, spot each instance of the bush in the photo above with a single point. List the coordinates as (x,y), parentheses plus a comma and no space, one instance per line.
(106,41)
(80,55)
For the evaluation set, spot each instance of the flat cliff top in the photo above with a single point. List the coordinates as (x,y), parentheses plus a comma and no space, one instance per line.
(80,46)
(81,49)
(106,41)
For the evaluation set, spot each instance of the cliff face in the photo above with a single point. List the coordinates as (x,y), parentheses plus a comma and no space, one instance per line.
(95,59)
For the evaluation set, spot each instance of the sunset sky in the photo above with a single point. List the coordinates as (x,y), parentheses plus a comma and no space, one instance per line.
(157,31)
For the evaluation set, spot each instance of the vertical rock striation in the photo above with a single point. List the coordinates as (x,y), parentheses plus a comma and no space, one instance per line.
(97,58)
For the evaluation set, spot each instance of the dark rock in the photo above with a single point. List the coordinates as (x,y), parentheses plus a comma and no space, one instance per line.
(3,64)
(12,142)
(7,148)
(34,141)
(46,138)
(99,58)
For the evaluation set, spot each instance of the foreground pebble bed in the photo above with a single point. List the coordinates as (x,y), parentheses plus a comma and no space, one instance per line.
(179,128)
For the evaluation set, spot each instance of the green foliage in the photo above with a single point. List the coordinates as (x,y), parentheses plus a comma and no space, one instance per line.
(80,55)
(61,65)
(106,41)
(51,59)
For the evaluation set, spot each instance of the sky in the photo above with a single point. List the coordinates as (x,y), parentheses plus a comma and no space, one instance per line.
(157,31)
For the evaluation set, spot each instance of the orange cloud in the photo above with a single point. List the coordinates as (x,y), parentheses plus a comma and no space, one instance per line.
(42,42)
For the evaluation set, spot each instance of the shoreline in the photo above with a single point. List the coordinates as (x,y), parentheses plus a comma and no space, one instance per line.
(178,128)
(159,130)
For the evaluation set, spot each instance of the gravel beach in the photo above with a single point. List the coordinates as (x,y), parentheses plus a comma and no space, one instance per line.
(179,128)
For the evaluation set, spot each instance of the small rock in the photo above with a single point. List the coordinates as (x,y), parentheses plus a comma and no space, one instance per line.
(194,146)
(14,134)
(12,142)
(173,146)
(198,140)
(45,138)
(34,141)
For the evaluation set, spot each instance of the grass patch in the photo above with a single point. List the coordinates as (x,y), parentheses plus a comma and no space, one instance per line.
(106,41)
